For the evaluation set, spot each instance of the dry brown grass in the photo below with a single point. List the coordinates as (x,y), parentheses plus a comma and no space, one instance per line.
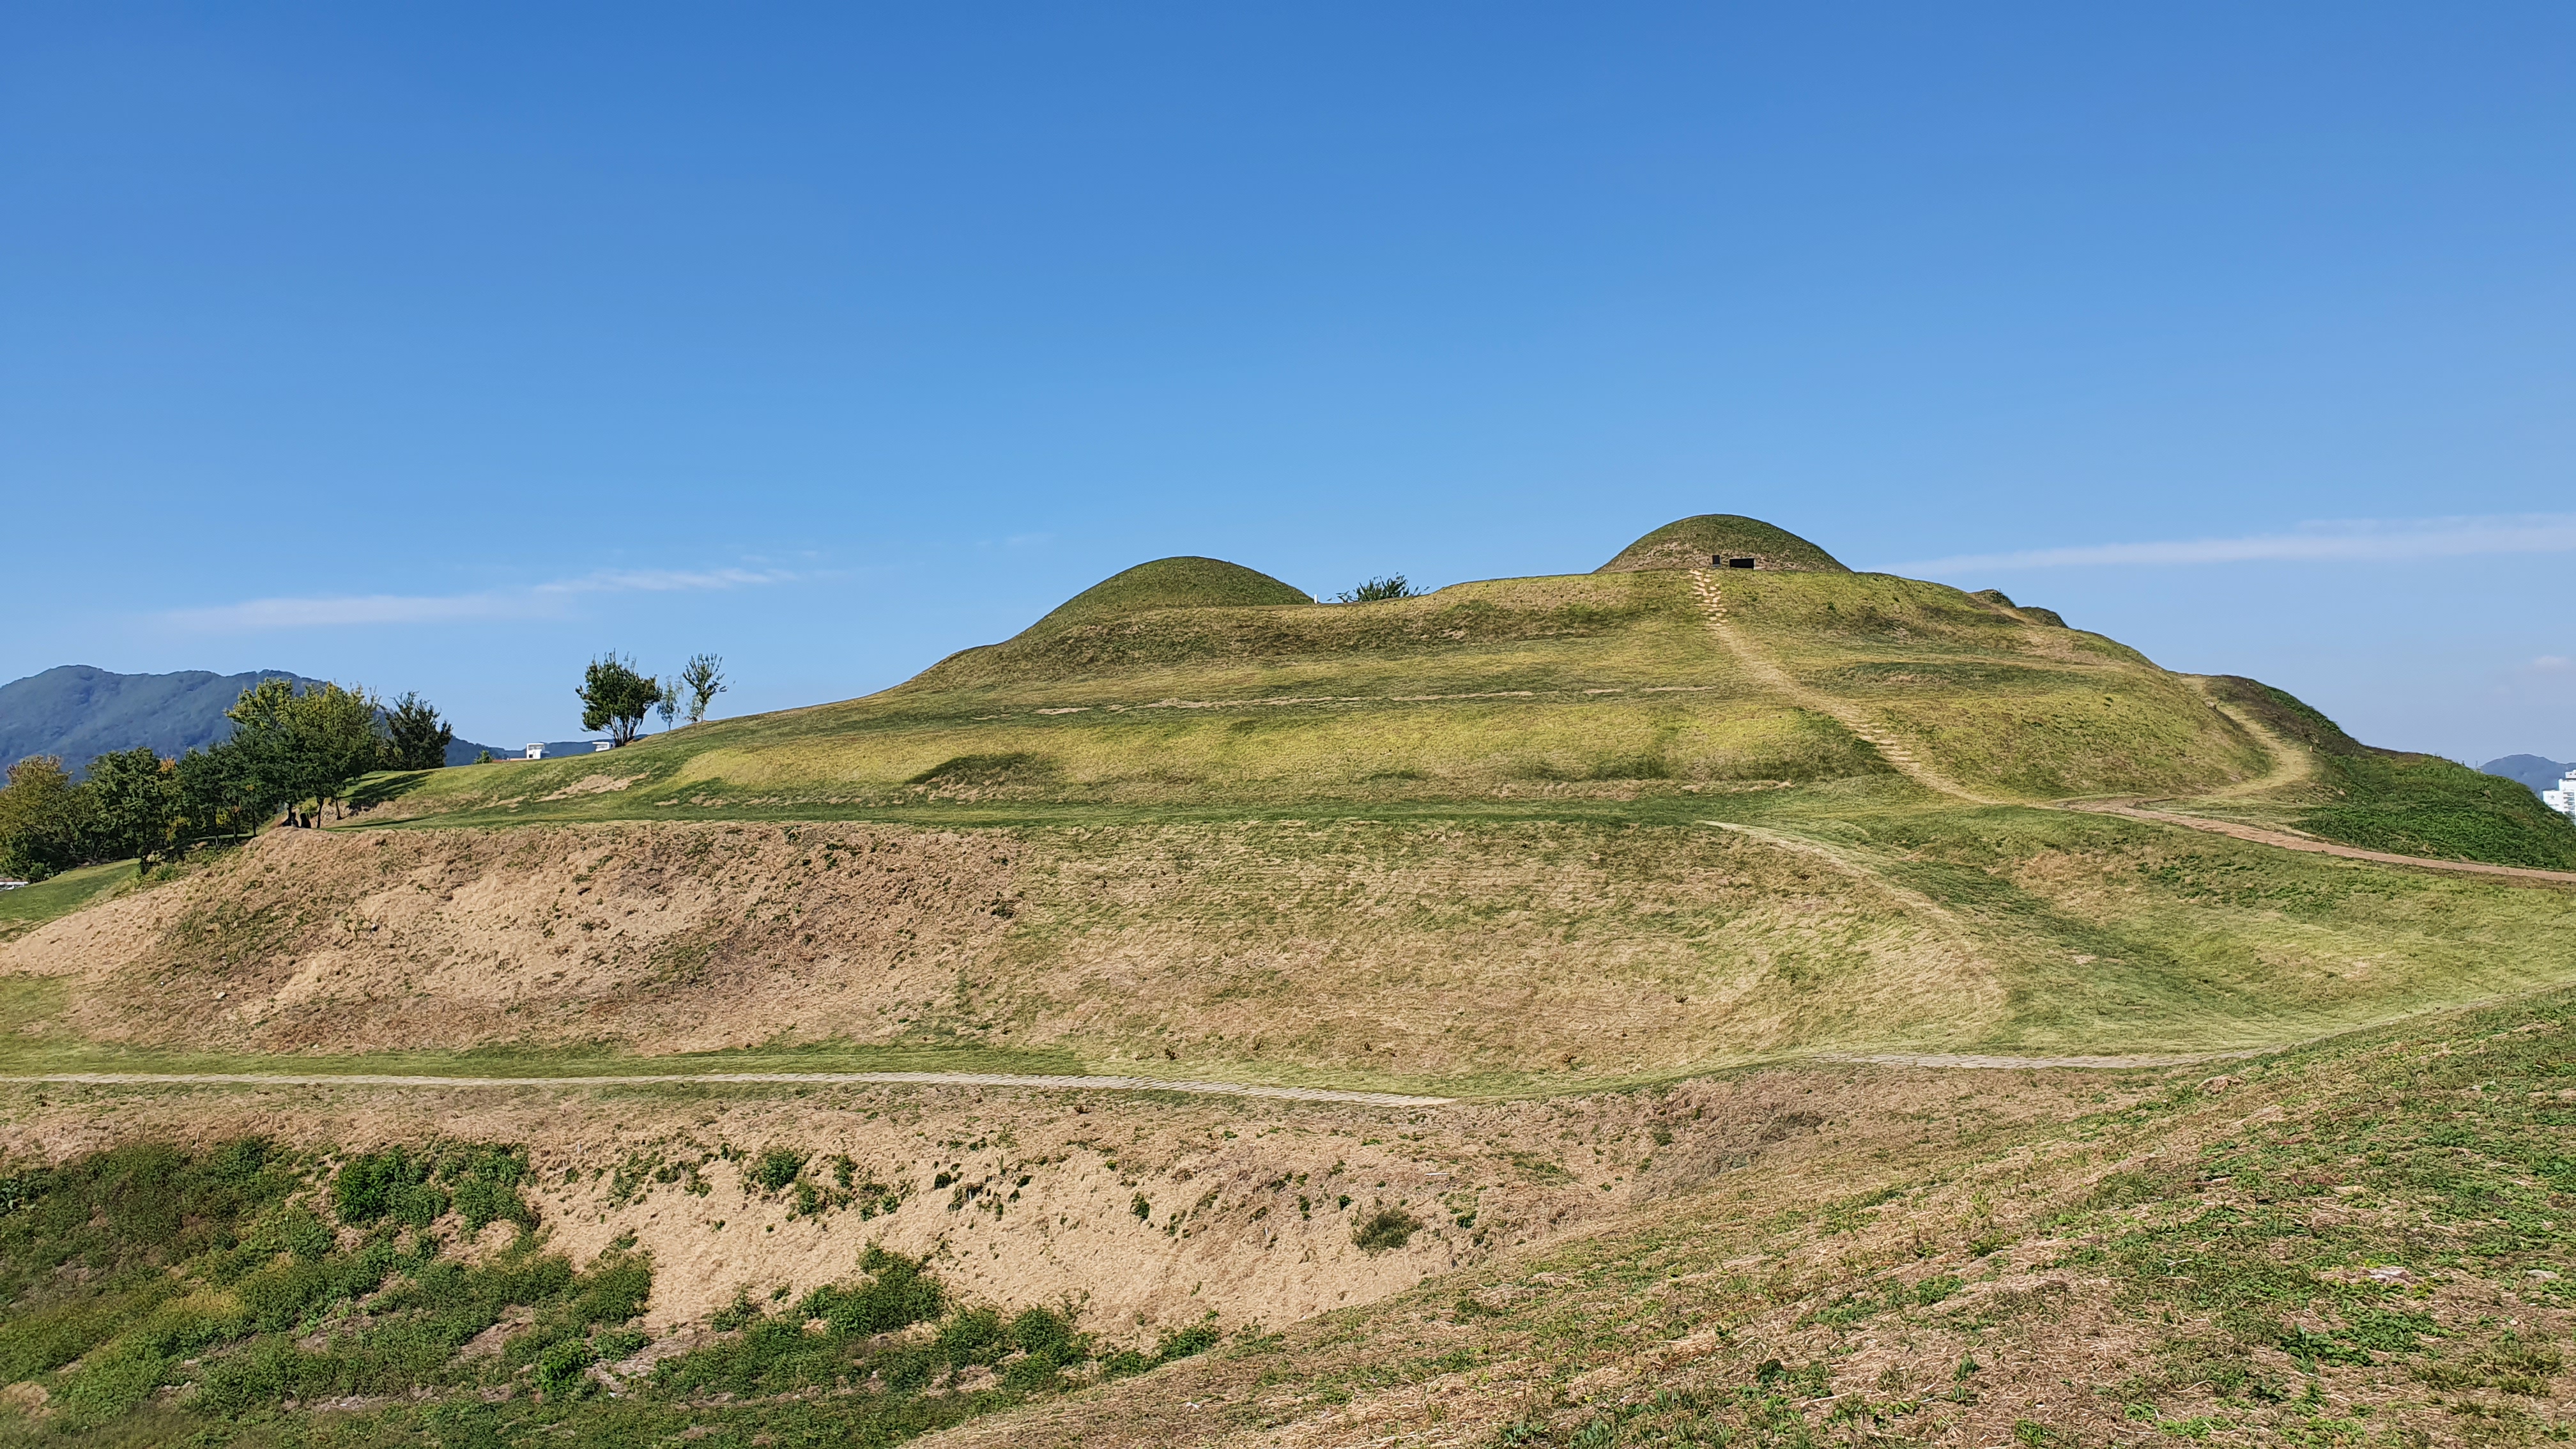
(1393,952)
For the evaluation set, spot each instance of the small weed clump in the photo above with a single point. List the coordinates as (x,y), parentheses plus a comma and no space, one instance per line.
(1385,1230)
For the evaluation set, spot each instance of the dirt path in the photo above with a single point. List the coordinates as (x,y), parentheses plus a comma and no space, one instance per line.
(2313,846)
(917,1079)
(1771,676)
(2290,763)
(1977,1062)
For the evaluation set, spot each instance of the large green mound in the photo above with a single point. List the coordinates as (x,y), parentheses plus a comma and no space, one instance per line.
(1696,543)
(1187,582)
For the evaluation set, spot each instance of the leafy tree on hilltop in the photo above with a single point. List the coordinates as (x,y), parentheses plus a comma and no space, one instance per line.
(137,804)
(218,794)
(1393,586)
(615,698)
(306,746)
(703,676)
(419,738)
(44,819)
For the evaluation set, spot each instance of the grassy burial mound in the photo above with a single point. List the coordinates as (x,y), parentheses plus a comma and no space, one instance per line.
(1613,686)
(1510,836)
(1723,540)
(1712,837)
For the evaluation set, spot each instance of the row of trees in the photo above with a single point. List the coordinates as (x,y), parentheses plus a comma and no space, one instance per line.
(289,749)
(616,698)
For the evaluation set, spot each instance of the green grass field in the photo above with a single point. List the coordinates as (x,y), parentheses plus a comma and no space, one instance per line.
(27,907)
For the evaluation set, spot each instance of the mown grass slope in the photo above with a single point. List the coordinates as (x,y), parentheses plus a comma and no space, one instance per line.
(1606,686)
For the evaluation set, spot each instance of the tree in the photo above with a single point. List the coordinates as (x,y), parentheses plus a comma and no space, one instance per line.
(137,795)
(44,819)
(418,737)
(1393,586)
(343,729)
(703,676)
(218,795)
(306,746)
(615,698)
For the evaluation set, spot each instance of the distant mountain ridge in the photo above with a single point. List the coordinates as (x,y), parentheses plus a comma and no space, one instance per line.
(2531,770)
(79,712)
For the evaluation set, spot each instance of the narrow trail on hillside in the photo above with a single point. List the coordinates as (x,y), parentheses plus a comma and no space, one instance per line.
(2290,764)
(2261,836)
(1771,676)
(1975,1061)
(796,1079)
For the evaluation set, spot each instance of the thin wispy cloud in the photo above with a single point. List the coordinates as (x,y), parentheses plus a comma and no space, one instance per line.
(535,601)
(2350,541)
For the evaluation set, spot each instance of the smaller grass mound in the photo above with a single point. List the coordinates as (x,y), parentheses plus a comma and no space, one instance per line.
(1690,543)
(1169,583)
(2405,803)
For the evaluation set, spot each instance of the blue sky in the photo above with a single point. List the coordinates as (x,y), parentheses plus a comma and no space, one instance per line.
(442,347)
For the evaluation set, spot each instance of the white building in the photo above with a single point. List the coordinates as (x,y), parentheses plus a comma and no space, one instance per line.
(536,752)
(2562,799)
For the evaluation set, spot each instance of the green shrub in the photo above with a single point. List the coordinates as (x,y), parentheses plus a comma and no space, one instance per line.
(897,1294)
(614,1290)
(776,1167)
(563,1368)
(111,1382)
(1385,1230)
(376,1185)
(974,1336)
(1178,1343)
(1392,586)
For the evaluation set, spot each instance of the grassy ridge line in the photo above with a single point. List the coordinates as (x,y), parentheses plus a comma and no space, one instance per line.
(912,1079)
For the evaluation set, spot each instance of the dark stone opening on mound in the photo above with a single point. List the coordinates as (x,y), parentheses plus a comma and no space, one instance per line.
(1725,541)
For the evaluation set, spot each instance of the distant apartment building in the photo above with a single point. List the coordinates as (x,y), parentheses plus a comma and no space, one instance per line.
(538,752)
(2562,799)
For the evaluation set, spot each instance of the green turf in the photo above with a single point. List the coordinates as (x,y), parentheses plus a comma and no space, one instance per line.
(28,907)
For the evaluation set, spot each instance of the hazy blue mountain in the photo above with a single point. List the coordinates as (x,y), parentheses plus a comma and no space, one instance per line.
(2531,770)
(80,712)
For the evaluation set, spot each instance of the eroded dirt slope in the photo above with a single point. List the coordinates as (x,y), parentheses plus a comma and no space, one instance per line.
(1416,949)
(1146,1212)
